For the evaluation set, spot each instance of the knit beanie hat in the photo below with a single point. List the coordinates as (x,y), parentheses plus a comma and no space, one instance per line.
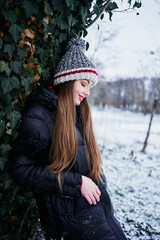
(74,64)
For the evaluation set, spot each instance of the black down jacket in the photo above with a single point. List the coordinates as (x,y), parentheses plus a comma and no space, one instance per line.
(63,213)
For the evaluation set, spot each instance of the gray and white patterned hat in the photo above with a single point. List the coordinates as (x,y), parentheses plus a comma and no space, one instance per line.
(74,64)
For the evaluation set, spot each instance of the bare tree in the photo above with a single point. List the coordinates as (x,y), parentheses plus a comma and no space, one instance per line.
(156,86)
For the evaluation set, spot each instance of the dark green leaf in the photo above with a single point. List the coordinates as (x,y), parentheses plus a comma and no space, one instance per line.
(114,6)
(1,43)
(10,16)
(4,149)
(2,128)
(98,2)
(70,4)
(62,22)
(46,74)
(6,85)
(16,30)
(9,48)
(85,32)
(102,16)
(15,66)
(22,52)
(1,115)
(8,71)
(110,16)
(62,37)
(137,4)
(58,5)
(7,184)
(2,2)
(15,82)
(26,82)
(2,162)
(83,11)
(71,20)
(4,67)
(42,53)
(96,9)
(30,8)
(47,8)
(13,117)
(87,46)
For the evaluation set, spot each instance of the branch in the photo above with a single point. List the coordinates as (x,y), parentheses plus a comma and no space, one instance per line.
(92,13)
(100,13)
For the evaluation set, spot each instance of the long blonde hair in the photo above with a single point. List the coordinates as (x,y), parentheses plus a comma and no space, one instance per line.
(64,143)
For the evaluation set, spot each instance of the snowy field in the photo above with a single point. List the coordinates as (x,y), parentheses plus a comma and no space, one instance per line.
(133,177)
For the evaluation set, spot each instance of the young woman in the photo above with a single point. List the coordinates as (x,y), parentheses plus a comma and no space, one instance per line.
(57,157)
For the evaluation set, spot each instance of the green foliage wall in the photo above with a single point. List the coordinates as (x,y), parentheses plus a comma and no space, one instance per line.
(33,36)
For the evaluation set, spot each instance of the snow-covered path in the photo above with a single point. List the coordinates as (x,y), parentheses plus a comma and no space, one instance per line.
(133,177)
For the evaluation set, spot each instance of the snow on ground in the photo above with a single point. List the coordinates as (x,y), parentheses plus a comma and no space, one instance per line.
(133,177)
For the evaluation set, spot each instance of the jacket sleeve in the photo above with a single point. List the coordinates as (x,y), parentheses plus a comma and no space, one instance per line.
(27,166)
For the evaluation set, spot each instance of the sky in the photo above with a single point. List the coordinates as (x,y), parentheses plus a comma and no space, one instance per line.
(132,45)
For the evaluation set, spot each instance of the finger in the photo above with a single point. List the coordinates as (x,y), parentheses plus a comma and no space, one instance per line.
(98,191)
(96,196)
(89,200)
(93,200)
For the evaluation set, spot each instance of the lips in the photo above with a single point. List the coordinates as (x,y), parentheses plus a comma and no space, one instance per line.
(80,98)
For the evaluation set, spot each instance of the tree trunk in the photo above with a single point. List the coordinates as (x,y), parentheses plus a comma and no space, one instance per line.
(155,103)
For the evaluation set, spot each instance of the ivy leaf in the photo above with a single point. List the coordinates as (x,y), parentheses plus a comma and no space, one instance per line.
(71,20)
(6,85)
(137,4)
(58,5)
(2,128)
(15,66)
(30,8)
(9,48)
(71,4)
(62,22)
(16,30)
(15,82)
(4,67)
(114,6)
(43,53)
(13,117)
(3,160)
(47,8)
(7,183)
(87,46)
(110,16)
(1,43)
(26,82)
(102,16)
(62,37)
(22,52)
(96,9)
(46,74)
(4,149)
(10,16)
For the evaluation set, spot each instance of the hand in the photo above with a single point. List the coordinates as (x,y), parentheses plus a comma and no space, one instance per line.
(90,190)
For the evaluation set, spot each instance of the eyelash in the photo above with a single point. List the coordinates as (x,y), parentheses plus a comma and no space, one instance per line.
(83,84)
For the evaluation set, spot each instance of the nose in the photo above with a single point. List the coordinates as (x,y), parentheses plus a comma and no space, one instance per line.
(87,91)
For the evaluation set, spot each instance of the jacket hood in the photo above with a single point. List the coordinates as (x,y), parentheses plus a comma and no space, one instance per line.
(45,96)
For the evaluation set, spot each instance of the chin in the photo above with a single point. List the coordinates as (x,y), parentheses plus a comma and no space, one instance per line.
(77,104)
